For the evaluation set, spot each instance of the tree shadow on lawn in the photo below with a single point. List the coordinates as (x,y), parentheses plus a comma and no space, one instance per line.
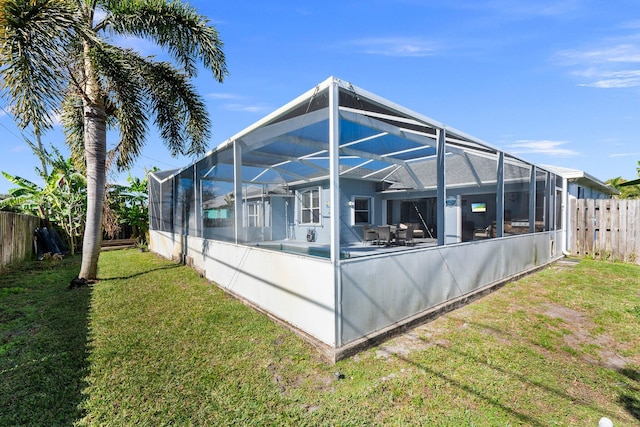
(140,273)
(630,399)
(43,347)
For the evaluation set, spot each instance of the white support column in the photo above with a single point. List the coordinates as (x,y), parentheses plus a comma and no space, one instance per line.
(500,196)
(334,190)
(532,200)
(237,189)
(552,201)
(441,190)
(549,205)
(565,215)
(334,172)
(174,203)
(197,199)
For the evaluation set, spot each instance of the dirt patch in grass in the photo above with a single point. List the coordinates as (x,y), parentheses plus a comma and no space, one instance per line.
(406,343)
(581,336)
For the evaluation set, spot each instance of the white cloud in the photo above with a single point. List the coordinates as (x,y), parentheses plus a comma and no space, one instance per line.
(624,155)
(618,79)
(99,15)
(545,147)
(56,118)
(538,8)
(619,53)
(222,96)
(395,46)
(611,64)
(7,110)
(20,148)
(140,45)
(247,108)
(634,25)
(516,9)
(235,103)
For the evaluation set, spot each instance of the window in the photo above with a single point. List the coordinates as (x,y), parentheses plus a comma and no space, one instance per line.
(362,210)
(309,206)
(253,215)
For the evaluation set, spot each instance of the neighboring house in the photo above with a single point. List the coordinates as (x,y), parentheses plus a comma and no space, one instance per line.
(277,215)
(579,185)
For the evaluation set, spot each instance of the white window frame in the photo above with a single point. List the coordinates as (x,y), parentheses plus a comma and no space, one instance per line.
(300,207)
(352,203)
(256,215)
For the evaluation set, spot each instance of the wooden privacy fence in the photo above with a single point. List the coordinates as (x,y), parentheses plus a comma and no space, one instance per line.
(606,229)
(16,236)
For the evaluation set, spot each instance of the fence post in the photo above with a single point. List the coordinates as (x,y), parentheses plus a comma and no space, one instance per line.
(577,226)
(615,228)
(624,229)
(633,212)
(590,228)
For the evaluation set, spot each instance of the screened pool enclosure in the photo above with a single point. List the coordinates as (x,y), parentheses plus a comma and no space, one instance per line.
(279,215)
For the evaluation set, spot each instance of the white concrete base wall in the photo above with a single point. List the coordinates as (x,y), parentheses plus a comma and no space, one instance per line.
(376,292)
(296,289)
(161,243)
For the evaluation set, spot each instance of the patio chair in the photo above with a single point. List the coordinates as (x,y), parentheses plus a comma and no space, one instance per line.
(369,234)
(418,232)
(482,233)
(384,234)
(405,236)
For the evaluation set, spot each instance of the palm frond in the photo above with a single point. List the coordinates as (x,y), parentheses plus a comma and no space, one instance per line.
(175,26)
(629,183)
(179,111)
(33,58)
(138,87)
(73,125)
(126,97)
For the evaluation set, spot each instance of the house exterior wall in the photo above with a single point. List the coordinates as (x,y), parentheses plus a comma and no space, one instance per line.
(579,191)
(281,216)
(576,191)
(348,233)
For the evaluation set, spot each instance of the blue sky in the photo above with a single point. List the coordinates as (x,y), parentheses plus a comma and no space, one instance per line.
(555,82)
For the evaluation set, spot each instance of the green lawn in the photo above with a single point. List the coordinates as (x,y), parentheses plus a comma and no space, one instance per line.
(153,344)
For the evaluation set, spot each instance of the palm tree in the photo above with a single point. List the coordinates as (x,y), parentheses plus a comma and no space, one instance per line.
(627,189)
(56,56)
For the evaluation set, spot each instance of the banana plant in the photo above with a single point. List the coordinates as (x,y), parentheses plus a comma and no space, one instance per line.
(61,200)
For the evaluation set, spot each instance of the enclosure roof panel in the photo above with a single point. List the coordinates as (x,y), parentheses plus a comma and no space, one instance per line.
(378,140)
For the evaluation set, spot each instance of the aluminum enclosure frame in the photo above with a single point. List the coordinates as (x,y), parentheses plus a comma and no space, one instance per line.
(340,303)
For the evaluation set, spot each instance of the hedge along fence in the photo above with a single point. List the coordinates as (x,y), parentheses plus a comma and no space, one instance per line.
(16,236)
(606,229)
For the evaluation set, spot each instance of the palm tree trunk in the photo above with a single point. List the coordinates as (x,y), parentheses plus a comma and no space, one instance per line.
(95,152)
(95,143)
